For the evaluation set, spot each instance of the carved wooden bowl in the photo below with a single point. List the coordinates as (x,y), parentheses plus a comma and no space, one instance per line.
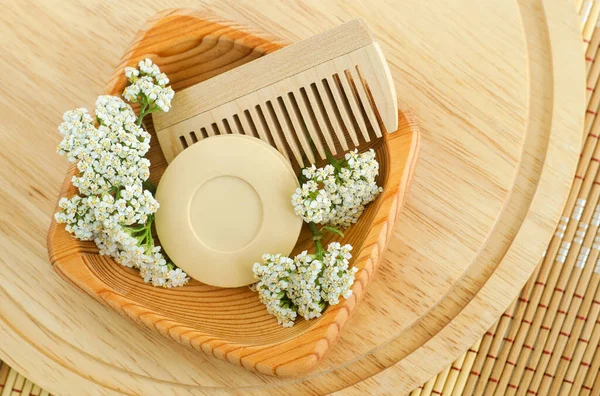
(231,324)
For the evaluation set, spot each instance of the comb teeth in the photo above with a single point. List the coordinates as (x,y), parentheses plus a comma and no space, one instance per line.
(333,105)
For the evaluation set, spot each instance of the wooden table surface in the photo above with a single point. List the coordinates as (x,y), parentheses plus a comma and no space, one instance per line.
(500,104)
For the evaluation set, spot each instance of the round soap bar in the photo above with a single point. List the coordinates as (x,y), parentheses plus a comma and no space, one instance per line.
(224,202)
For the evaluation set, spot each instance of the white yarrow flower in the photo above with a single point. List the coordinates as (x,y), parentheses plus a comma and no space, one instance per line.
(304,290)
(337,277)
(148,86)
(337,196)
(304,285)
(114,209)
(273,276)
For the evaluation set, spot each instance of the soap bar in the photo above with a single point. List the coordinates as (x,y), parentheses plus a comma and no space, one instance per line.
(224,202)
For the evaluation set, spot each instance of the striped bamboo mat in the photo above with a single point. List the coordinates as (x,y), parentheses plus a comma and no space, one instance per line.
(14,384)
(547,340)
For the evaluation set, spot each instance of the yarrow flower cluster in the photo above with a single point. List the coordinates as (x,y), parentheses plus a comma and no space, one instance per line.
(332,196)
(111,154)
(148,87)
(337,193)
(113,207)
(305,285)
(274,276)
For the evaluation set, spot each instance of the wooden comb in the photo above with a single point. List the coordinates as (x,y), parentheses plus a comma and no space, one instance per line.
(335,88)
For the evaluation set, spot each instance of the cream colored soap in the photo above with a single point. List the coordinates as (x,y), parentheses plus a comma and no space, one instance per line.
(224,202)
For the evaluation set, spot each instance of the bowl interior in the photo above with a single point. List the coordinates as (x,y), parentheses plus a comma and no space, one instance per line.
(234,315)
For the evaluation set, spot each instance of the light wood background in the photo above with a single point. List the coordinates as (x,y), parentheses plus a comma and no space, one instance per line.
(497,162)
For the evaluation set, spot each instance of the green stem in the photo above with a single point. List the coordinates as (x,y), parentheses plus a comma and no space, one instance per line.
(149,240)
(141,239)
(138,229)
(316,236)
(142,113)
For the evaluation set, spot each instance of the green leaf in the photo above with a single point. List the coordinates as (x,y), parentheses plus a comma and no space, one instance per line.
(333,230)
(301,178)
(331,159)
(148,185)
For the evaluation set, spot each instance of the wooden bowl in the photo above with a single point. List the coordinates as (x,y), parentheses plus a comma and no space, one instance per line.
(230,324)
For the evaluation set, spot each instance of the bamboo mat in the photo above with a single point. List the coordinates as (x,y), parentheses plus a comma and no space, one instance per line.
(14,384)
(546,341)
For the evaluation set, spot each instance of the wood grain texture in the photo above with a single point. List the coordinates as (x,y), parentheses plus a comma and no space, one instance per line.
(333,87)
(500,138)
(231,323)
